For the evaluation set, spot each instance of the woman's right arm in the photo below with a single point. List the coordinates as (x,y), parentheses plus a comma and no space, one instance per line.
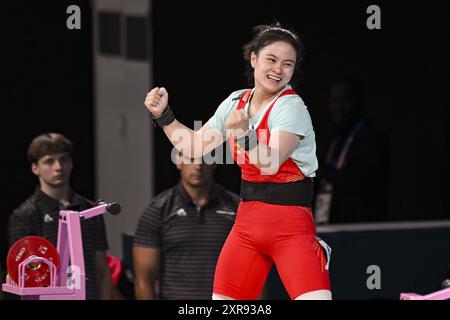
(187,141)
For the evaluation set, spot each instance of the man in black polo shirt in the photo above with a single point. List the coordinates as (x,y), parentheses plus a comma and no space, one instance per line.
(50,156)
(180,234)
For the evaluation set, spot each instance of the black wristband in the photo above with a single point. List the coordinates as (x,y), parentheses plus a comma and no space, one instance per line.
(166,118)
(248,141)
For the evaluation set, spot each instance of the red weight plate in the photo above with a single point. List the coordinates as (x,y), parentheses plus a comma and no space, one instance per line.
(37,274)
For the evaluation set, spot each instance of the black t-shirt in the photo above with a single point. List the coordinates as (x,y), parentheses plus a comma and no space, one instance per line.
(190,239)
(38,215)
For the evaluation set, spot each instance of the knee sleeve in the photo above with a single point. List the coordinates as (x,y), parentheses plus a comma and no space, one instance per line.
(221,297)
(315,295)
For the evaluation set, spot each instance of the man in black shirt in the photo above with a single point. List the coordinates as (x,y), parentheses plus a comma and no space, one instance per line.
(180,234)
(50,156)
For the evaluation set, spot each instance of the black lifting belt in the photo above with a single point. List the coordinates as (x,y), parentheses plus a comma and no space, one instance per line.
(298,193)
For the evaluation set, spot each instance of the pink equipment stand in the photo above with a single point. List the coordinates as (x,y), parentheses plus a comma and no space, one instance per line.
(443,294)
(70,285)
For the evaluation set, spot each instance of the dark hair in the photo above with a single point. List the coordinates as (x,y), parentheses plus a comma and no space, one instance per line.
(48,143)
(265,35)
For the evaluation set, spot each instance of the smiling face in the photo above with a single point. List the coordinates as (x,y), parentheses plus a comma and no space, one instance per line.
(273,66)
(53,170)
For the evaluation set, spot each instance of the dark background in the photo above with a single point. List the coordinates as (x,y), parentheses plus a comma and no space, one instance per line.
(404,67)
(47,83)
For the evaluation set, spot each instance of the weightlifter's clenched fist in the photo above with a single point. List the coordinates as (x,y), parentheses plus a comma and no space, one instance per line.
(156,101)
(238,122)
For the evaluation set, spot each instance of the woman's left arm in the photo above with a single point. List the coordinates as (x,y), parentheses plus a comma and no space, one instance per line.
(269,158)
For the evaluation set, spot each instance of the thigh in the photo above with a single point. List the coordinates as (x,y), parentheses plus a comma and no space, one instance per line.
(241,270)
(302,266)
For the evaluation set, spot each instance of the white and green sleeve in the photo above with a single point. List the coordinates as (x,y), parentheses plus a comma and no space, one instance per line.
(219,119)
